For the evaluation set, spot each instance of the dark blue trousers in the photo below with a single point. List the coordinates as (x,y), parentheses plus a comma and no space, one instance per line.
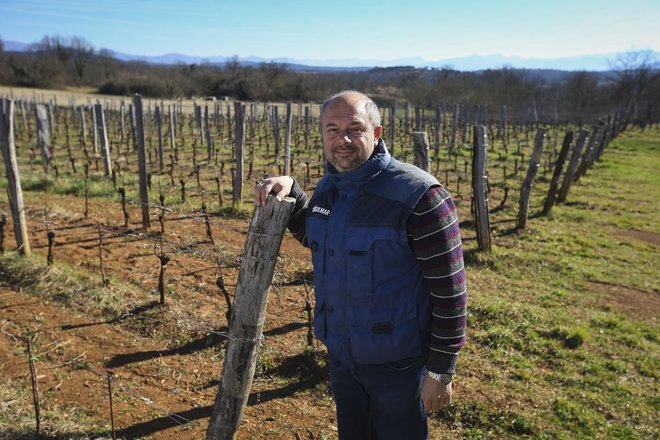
(379,402)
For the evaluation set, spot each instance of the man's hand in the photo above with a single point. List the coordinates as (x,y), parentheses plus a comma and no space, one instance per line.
(280,185)
(435,395)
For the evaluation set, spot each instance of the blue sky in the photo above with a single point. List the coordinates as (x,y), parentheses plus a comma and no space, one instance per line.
(342,29)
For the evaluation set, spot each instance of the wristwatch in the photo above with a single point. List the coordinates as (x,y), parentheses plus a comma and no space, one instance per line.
(443,378)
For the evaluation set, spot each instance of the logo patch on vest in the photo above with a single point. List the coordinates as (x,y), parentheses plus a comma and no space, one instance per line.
(324,211)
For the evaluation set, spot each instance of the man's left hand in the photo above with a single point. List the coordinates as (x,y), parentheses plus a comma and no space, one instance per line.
(435,395)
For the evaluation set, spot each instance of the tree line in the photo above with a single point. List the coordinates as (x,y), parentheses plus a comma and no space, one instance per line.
(632,83)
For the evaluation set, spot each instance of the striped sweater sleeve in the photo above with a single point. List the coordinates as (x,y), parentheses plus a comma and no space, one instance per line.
(297,220)
(436,241)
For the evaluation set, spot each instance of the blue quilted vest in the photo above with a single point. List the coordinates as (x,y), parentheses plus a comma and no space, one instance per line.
(371,305)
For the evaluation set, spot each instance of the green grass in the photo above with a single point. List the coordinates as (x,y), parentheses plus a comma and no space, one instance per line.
(556,353)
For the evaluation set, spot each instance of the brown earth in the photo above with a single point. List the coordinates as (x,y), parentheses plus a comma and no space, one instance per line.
(165,361)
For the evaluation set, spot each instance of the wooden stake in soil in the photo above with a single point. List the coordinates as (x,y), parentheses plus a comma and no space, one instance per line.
(287,140)
(43,135)
(421,150)
(479,180)
(14,190)
(237,181)
(559,165)
(572,165)
(245,331)
(142,161)
(526,189)
(103,136)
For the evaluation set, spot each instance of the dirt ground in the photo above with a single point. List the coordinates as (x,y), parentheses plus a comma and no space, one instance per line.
(165,360)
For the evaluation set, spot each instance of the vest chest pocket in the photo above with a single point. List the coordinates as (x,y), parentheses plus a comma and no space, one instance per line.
(359,272)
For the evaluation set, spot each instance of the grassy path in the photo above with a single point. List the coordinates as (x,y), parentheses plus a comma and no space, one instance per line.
(563,338)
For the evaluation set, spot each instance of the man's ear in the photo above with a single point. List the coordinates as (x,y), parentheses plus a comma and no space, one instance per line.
(377,132)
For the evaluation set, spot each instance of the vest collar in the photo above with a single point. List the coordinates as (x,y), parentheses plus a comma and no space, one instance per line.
(378,161)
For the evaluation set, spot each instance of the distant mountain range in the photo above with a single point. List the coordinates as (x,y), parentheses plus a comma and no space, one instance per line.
(600,62)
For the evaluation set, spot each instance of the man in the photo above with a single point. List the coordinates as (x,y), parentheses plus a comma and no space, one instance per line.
(388,275)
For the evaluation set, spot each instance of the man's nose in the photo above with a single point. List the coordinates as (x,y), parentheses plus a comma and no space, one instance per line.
(344,139)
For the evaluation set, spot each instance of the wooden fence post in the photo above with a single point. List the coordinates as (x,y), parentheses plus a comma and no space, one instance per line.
(14,190)
(526,190)
(103,136)
(454,129)
(559,165)
(275,121)
(159,132)
(94,131)
(43,135)
(142,160)
(239,115)
(248,313)
(572,166)
(585,162)
(287,140)
(479,179)
(421,150)
(209,139)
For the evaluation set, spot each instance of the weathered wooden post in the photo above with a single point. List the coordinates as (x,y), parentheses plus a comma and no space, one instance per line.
(592,145)
(83,128)
(421,150)
(239,115)
(14,190)
(572,166)
(171,115)
(287,140)
(103,136)
(209,139)
(275,121)
(159,132)
(526,190)
(248,314)
(479,179)
(142,160)
(94,131)
(454,129)
(436,130)
(43,135)
(559,165)
(307,121)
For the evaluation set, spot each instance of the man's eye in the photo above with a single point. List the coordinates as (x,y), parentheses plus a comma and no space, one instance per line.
(331,130)
(356,130)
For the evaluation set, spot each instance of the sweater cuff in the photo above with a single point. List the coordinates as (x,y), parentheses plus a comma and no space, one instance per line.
(298,194)
(441,363)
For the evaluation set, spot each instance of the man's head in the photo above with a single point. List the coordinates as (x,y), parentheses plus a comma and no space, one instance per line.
(351,128)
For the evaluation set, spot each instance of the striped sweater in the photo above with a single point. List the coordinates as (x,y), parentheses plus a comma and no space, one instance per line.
(436,242)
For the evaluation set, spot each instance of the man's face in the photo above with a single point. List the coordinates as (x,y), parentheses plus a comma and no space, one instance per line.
(348,137)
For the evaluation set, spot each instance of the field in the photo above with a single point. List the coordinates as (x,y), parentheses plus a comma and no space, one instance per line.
(563,332)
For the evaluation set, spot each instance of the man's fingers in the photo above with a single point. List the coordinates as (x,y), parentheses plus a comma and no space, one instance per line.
(261,191)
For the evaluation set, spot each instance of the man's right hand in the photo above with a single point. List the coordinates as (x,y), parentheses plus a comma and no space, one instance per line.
(279,185)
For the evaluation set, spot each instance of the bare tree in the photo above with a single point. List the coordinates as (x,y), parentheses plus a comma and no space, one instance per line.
(580,93)
(636,72)
(82,52)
